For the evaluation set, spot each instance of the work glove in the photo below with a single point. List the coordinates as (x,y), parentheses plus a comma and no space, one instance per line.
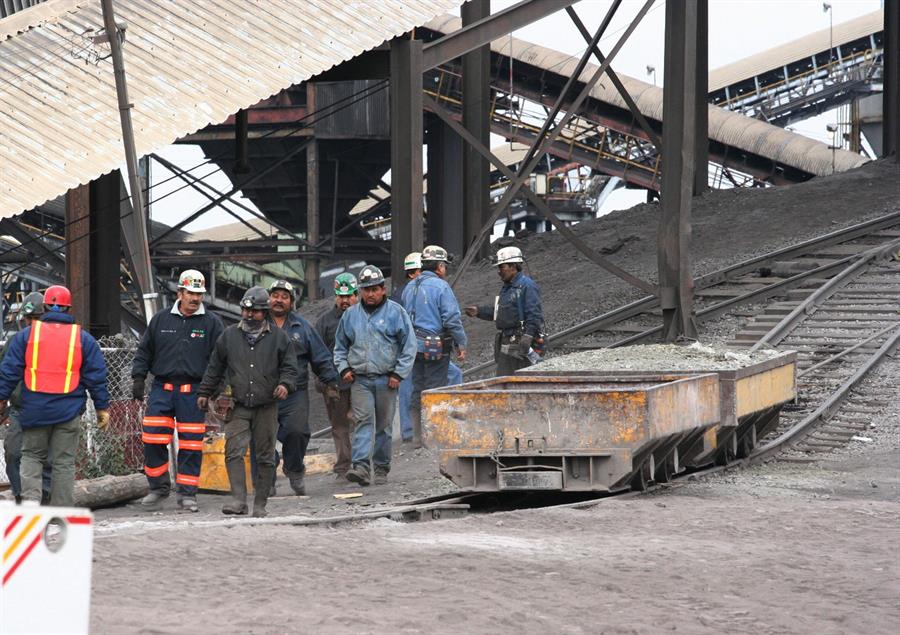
(202,402)
(281,392)
(137,388)
(102,419)
(524,345)
(332,392)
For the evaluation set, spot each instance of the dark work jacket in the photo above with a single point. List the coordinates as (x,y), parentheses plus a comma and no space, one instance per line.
(326,327)
(518,307)
(397,293)
(47,409)
(175,347)
(253,372)
(310,350)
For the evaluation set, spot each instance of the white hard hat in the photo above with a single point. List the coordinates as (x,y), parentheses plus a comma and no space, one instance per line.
(509,255)
(192,280)
(435,252)
(412,261)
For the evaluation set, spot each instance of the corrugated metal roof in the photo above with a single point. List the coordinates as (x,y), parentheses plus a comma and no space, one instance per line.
(801,48)
(729,128)
(189,63)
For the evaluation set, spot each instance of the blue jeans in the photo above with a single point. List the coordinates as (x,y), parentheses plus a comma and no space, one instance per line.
(373,406)
(454,377)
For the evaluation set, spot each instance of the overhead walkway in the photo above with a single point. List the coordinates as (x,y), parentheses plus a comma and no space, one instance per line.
(805,77)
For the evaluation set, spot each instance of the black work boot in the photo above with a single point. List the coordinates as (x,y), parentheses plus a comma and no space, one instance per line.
(154,500)
(237,481)
(359,473)
(265,477)
(297,484)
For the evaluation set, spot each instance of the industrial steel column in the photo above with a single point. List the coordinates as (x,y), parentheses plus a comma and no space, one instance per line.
(78,251)
(891,96)
(476,97)
(701,91)
(311,264)
(445,200)
(676,287)
(406,150)
(105,253)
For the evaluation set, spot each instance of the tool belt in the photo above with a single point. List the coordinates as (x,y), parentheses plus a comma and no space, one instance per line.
(434,346)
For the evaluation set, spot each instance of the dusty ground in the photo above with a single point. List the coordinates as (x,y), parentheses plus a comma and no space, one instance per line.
(776,549)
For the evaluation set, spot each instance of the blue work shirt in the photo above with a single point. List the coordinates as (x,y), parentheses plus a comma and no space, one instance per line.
(518,307)
(47,409)
(433,308)
(311,351)
(378,343)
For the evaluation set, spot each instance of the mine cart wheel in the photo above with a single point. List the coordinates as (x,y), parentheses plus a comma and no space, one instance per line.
(641,478)
(664,471)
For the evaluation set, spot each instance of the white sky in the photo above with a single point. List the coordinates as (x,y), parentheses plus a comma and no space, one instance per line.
(737,29)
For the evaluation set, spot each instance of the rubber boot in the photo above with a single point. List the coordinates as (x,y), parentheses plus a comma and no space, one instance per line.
(238,483)
(298,486)
(264,481)
(416,419)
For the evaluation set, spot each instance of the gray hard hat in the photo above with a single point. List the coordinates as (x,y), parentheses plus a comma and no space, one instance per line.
(370,276)
(32,304)
(255,298)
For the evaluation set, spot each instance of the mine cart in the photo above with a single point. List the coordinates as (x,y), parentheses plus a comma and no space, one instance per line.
(751,395)
(568,433)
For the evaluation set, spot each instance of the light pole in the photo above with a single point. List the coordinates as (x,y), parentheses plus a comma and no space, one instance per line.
(826,8)
(832,128)
(651,70)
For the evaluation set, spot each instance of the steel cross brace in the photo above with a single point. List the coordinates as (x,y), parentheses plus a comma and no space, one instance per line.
(542,207)
(535,155)
(614,78)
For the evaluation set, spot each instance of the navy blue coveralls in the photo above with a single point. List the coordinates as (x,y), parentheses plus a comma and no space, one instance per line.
(175,349)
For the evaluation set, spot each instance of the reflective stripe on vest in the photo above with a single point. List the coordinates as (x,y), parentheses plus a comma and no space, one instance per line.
(53,358)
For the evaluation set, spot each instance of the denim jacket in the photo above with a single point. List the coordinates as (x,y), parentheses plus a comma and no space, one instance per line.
(377,343)
(433,308)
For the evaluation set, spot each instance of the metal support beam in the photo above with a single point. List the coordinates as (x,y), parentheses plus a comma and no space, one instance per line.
(614,78)
(701,97)
(445,200)
(546,137)
(105,255)
(406,150)
(143,267)
(891,98)
(676,285)
(539,203)
(234,190)
(311,263)
(476,117)
(241,128)
(488,29)
(78,251)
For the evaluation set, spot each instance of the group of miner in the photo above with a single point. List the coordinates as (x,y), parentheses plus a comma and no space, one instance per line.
(368,352)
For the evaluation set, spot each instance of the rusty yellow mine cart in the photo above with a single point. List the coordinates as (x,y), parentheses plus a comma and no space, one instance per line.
(562,432)
(751,397)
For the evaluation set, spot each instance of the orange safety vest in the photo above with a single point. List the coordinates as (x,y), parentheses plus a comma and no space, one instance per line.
(53,358)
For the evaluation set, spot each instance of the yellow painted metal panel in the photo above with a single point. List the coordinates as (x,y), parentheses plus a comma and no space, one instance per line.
(766,389)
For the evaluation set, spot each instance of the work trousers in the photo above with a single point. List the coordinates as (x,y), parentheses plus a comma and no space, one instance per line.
(340,414)
(373,406)
(507,364)
(427,374)
(259,424)
(58,444)
(173,407)
(293,432)
(12,455)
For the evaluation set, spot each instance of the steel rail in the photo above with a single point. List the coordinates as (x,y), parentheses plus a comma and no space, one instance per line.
(811,304)
(829,406)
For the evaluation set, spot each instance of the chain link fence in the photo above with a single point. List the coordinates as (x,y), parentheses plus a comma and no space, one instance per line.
(117,450)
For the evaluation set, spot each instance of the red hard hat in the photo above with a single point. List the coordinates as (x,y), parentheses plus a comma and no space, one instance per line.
(58,295)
